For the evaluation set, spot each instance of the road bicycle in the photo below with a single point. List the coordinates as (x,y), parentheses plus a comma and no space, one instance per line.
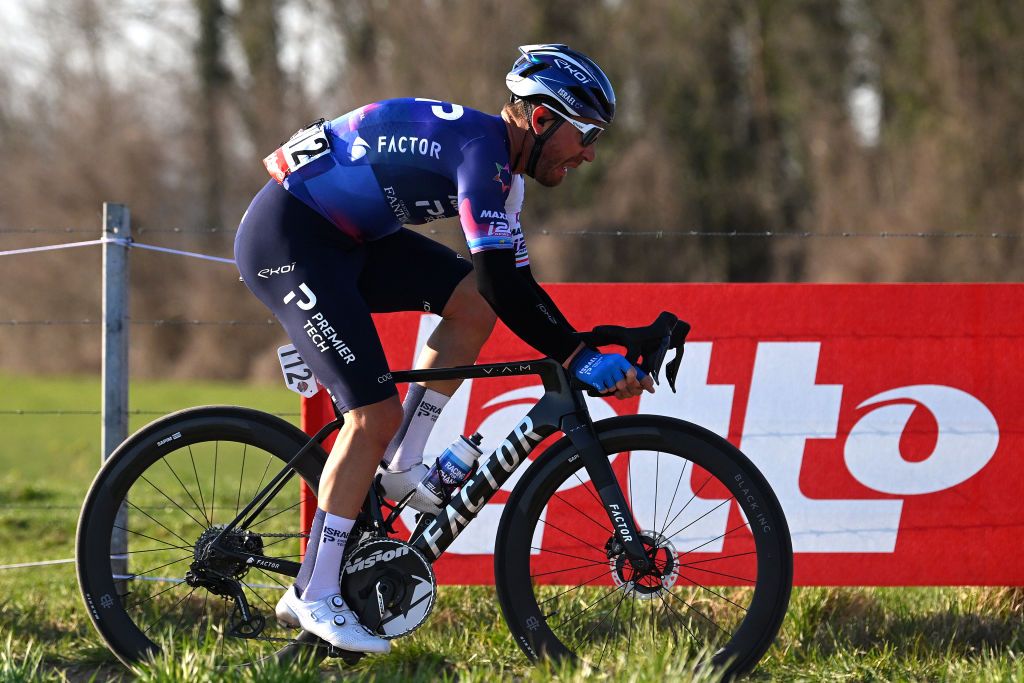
(611,540)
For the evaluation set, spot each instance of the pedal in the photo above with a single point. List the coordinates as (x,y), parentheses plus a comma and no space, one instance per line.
(346,656)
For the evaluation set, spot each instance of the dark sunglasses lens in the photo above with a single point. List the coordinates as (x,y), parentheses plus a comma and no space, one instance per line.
(590,136)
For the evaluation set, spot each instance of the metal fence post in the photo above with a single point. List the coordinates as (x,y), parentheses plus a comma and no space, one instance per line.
(116,225)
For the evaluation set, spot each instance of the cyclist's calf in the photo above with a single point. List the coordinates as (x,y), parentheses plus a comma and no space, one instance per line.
(356,453)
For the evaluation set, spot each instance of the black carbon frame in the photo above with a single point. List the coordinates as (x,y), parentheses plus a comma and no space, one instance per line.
(561,408)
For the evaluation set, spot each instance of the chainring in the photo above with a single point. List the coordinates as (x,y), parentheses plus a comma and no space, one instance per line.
(389,585)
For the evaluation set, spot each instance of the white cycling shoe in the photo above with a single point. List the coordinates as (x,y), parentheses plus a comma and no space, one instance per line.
(330,619)
(397,485)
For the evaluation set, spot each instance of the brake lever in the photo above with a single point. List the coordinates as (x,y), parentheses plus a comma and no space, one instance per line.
(654,362)
(677,342)
(646,356)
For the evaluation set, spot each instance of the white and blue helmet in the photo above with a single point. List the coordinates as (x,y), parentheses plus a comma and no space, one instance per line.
(555,75)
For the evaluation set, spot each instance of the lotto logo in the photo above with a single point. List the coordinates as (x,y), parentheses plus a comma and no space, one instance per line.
(889,434)
(787,410)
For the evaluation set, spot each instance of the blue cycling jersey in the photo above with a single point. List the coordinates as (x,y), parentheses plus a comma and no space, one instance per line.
(411,161)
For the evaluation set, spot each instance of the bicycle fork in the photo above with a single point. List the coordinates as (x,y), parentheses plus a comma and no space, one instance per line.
(580,430)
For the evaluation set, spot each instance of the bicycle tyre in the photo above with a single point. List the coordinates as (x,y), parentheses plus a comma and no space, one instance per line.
(525,573)
(132,470)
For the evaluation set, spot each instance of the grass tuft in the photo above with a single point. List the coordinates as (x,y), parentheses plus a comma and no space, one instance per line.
(201,667)
(20,660)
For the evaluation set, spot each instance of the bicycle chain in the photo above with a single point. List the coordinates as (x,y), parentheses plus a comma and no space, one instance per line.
(268,535)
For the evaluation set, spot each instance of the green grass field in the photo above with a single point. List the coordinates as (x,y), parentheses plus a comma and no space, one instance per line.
(47,463)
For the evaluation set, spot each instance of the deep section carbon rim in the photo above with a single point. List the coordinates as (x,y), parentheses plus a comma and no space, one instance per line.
(722,564)
(167,502)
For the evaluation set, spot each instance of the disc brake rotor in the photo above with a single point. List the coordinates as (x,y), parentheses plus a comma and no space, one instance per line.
(645,585)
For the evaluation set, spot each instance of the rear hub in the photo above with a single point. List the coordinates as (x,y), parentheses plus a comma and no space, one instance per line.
(212,559)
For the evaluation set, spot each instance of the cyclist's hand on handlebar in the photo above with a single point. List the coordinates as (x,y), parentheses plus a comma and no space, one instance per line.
(610,373)
(634,384)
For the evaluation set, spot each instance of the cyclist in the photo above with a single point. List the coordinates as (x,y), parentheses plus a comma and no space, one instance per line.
(323,245)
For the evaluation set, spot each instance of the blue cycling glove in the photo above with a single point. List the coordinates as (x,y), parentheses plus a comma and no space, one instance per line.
(600,370)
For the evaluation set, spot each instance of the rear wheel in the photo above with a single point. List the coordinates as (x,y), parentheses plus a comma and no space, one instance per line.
(721,551)
(151,514)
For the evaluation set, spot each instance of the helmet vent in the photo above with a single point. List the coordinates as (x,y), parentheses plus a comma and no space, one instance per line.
(602,100)
(581,93)
(532,69)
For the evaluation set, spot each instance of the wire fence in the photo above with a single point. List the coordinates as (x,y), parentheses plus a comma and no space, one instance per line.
(678,233)
(669,233)
(660,235)
(110,237)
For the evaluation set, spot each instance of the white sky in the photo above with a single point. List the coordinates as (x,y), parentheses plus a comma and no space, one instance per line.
(148,39)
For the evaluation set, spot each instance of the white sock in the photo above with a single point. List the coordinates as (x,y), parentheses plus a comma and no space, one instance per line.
(327,568)
(421,409)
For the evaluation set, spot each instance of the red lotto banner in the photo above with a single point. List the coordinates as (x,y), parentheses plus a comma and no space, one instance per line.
(885,417)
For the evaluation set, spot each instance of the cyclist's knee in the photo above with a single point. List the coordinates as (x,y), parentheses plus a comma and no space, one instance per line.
(468,307)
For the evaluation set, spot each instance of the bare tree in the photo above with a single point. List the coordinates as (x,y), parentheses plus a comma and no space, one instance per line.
(214,80)
(264,95)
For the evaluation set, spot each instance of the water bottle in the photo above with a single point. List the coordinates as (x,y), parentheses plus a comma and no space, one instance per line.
(450,469)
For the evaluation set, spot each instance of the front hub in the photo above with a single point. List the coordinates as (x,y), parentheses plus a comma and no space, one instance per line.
(661,576)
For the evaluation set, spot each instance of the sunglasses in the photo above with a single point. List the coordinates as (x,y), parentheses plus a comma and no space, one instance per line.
(588,131)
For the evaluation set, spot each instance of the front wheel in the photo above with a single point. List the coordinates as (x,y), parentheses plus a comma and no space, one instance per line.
(722,555)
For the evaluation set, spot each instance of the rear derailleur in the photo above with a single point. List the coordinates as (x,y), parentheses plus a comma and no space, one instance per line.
(246,622)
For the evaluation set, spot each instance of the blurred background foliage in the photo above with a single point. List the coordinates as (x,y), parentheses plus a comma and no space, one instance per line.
(791,116)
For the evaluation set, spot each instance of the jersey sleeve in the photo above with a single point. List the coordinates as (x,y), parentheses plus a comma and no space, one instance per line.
(490,200)
(523,305)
